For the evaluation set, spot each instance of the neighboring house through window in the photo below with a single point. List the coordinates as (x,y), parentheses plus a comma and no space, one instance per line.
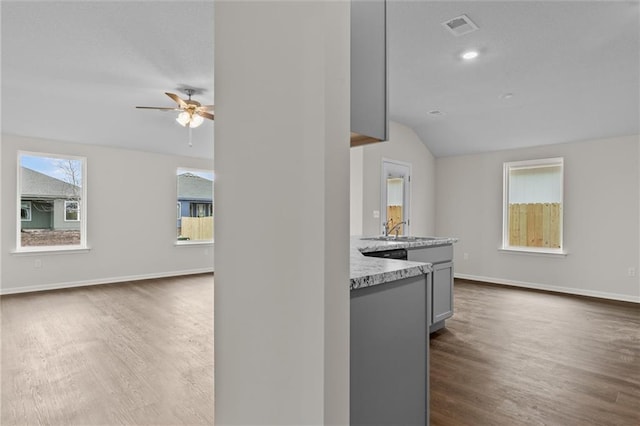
(533,205)
(195,205)
(51,199)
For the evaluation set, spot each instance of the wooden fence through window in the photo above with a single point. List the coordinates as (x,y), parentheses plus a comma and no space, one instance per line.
(394,216)
(197,228)
(535,224)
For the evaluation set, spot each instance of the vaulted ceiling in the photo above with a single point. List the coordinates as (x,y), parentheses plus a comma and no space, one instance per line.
(547,72)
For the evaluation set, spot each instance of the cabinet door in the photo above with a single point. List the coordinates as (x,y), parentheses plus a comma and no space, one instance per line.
(369,104)
(442,287)
(389,362)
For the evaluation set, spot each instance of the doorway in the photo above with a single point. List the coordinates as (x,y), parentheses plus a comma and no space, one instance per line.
(395,197)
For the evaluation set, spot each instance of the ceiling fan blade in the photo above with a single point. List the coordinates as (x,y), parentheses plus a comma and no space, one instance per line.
(160,108)
(205,114)
(177,99)
(207,107)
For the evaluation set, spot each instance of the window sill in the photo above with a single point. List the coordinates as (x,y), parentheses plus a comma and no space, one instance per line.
(188,243)
(50,250)
(534,251)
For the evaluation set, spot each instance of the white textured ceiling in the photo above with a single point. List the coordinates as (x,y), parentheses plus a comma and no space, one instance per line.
(573,68)
(75,70)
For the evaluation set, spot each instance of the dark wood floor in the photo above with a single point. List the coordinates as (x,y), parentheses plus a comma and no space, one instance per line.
(141,353)
(138,353)
(512,357)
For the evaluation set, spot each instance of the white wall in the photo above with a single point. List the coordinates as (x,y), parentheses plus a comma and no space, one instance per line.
(130,224)
(356,193)
(601,218)
(282,200)
(403,145)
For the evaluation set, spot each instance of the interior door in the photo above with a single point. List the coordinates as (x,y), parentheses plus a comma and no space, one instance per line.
(395,196)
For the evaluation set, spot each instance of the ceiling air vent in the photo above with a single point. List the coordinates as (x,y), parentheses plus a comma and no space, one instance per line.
(460,25)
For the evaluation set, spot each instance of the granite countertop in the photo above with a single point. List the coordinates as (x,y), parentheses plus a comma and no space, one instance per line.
(368,271)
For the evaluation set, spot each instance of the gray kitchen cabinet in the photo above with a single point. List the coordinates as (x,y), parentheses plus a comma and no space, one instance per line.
(389,353)
(441,257)
(442,287)
(369,100)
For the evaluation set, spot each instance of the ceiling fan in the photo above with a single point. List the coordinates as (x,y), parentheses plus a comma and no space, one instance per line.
(192,112)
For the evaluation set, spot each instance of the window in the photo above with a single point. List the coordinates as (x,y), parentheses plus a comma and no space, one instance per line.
(51,198)
(533,205)
(25,211)
(195,205)
(201,210)
(71,211)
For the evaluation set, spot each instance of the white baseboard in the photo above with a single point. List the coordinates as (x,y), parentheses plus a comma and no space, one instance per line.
(109,280)
(568,290)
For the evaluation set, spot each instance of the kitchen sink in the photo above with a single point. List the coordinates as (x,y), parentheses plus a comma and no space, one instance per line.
(398,238)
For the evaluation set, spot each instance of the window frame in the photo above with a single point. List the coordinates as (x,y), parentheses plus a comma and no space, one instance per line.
(507,167)
(182,169)
(405,170)
(82,246)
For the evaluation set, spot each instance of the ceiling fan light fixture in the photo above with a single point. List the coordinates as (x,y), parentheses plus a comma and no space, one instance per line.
(183,118)
(196,120)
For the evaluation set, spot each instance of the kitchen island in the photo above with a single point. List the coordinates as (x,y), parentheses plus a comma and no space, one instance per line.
(390,313)
(436,251)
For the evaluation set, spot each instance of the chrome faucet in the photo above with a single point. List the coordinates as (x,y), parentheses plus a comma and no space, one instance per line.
(395,227)
(385,226)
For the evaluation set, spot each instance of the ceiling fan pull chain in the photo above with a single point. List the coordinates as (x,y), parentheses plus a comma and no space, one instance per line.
(190,143)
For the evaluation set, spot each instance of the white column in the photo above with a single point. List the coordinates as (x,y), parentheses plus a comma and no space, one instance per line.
(282,212)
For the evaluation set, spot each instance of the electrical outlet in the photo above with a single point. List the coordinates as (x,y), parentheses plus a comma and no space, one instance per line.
(37,263)
(206,252)
(465,256)
(376,214)
(631,271)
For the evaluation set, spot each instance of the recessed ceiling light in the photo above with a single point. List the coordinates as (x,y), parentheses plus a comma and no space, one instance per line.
(435,112)
(506,95)
(469,55)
